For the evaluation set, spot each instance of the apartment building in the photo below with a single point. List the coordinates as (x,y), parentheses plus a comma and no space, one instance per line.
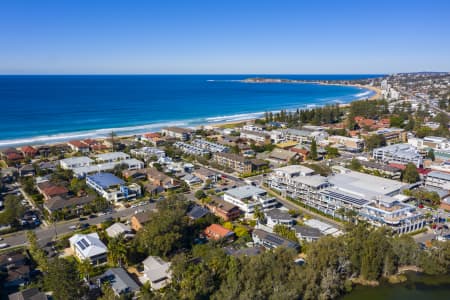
(249,197)
(191,149)
(353,144)
(255,136)
(177,132)
(398,153)
(236,162)
(438,179)
(210,146)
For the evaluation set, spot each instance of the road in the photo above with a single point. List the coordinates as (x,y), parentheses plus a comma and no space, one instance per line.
(46,234)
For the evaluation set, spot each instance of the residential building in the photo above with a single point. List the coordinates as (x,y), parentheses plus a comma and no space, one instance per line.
(50,190)
(236,162)
(249,197)
(279,217)
(306,233)
(177,132)
(438,179)
(398,153)
(206,174)
(393,135)
(117,229)
(210,146)
(140,219)
(386,170)
(78,146)
(191,179)
(29,151)
(191,149)
(113,188)
(197,212)
(159,178)
(148,152)
(119,281)
(111,157)
(348,143)
(272,240)
(282,156)
(217,232)
(28,294)
(70,204)
(157,272)
(75,162)
(222,209)
(255,136)
(304,135)
(15,268)
(89,247)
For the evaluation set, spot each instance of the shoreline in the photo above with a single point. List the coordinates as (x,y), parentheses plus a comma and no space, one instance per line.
(141,129)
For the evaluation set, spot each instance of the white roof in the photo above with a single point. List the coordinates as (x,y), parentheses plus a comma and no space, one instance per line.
(322,226)
(81,160)
(292,169)
(112,156)
(245,191)
(156,270)
(314,180)
(365,185)
(88,245)
(117,229)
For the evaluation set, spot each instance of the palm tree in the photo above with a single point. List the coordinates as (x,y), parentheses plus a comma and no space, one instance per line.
(117,250)
(259,215)
(85,268)
(112,135)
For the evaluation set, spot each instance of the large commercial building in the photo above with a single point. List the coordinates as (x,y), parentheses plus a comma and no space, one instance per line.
(398,153)
(373,198)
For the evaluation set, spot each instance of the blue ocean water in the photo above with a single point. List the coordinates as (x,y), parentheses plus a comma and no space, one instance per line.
(40,109)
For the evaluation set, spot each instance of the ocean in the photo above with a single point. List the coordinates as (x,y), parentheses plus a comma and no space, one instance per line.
(38,109)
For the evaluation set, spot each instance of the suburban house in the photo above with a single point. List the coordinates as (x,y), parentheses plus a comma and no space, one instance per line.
(11,154)
(177,132)
(75,162)
(15,266)
(159,178)
(206,174)
(71,204)
(306,233)
(119,281)
(140,219)
(50,190)
(197,212)
(157,272)
(113,188)
(222,209)
(27,170)
(272,240)
(28,294)
(117,229)
(79,146)
(217,232)
(279,217)
(29,151)
(90,247)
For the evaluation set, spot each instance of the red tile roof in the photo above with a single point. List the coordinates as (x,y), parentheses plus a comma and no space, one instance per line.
(152,135)
(78,144)
(398,166)
(28,150)
(216,231)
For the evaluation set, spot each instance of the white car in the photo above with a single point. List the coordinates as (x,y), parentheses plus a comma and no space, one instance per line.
(3,246)
(73,227)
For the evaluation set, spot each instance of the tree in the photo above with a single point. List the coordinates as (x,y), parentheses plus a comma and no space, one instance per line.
(85,268)
(355,165)
(332,152)
(117,250)
(12,211)
(200,194)
(375,141)
(313,150)
(410,174)
(430,154)
(63,280)
(258,214)
(285,232)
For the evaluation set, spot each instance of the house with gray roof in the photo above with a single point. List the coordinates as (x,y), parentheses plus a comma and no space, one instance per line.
(156,272)
(120,281)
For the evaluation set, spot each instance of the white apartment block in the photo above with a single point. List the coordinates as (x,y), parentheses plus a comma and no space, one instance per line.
(249,197)
(398,153)
(210,146)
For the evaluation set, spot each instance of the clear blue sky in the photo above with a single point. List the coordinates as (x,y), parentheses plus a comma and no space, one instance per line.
(245,36)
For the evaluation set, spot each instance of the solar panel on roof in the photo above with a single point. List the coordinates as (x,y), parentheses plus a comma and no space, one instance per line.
(85,243)
(81,245)
(346,198)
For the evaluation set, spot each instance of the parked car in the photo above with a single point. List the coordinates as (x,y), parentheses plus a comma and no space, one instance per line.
(73,227)
(3,246)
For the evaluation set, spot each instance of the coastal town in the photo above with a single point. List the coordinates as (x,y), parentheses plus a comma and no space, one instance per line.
(170,214)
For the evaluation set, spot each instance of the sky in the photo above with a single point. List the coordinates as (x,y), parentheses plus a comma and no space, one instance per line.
(223,37)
